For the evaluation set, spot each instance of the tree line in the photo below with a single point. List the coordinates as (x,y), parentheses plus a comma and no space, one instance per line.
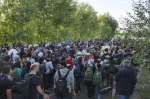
(34,21)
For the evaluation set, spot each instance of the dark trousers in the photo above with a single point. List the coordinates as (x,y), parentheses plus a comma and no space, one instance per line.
(68,96)
(90,88)
(48,81)
(77,84)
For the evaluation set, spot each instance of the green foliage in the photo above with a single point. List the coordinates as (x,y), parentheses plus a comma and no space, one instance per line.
(86,20)
(138,22)
(138,29)
(34,21)
(107,26)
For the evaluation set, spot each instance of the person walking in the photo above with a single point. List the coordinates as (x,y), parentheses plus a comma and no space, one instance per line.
(36,90)
(64,82)
(6,83)
(125,81)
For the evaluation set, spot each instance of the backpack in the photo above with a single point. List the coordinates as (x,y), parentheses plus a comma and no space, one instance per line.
(43,68)
(97,78)
(88,74)
(21,88)
(77,68)
(61,84)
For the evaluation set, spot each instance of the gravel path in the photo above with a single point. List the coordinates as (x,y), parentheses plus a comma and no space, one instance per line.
(107,96)
(83,95)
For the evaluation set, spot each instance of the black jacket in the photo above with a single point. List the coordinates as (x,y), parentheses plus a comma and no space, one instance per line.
(126,81)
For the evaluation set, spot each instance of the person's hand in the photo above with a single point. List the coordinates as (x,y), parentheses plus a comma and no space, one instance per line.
(46,96)
(74,93)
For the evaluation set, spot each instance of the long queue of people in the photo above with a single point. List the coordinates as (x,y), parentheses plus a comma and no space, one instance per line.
(33,71)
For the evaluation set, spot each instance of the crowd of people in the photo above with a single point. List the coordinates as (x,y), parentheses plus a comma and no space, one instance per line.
(67,68)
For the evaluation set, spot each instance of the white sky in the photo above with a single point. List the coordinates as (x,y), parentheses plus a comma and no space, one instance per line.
(116,8)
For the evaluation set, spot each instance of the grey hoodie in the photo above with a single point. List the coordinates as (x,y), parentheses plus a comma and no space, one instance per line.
(70,78)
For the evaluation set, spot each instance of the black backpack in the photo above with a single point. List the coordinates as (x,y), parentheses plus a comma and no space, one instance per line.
(61,85)
(43,68)
(21,88)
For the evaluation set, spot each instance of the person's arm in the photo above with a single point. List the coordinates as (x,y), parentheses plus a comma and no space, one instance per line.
(55,78)
(9,94)
(36,83)
(51,66)
(72,82)
(41,92)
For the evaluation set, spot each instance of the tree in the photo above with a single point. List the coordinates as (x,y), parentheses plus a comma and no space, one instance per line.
(107,26)
(35,21)
(137,28)
(85,20)
(15,16)
(59,14)
(138,22)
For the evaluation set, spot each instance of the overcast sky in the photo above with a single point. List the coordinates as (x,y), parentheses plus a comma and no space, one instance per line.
(117,8)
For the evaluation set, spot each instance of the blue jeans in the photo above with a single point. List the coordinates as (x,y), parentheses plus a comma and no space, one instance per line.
(123,97)
(98,94)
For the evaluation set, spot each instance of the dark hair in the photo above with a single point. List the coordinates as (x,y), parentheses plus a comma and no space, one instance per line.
(17,64)
(63,63)
(106,50)
(41,60)
(48,59)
